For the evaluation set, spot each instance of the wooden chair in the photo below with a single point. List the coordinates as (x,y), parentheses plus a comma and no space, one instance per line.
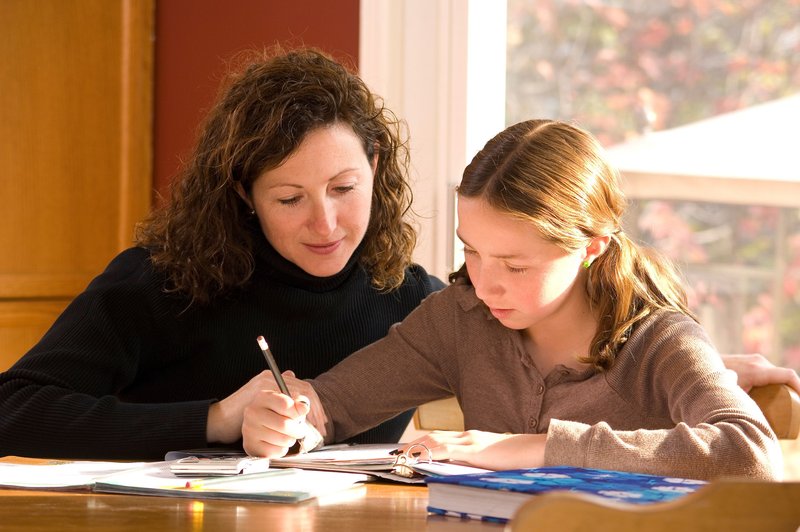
(780,404)
(731,505)
(781,407)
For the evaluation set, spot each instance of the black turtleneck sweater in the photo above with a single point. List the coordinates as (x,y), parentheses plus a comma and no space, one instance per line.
(128,371)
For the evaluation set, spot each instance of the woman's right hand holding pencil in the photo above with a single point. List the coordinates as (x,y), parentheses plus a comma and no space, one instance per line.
(273,422)
(226,418)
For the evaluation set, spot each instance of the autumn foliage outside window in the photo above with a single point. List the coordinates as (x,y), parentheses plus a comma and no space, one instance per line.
(625,68)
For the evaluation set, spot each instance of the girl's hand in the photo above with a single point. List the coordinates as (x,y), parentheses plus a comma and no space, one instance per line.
(487,450)
(225,417)
(756,370)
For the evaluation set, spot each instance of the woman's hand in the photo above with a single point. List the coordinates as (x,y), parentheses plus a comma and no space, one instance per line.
(756,370)
(273,423)
(488,450)
(225,418)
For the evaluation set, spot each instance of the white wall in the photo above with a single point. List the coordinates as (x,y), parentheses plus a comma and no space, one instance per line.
(440,65)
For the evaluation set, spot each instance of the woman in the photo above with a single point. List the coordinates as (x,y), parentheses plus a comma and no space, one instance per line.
(564,342)
(289,221)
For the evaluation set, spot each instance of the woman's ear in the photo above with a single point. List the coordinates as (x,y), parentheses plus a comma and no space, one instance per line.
(242,194)
(375,158)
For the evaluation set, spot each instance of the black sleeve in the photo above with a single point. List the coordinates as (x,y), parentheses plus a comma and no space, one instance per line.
(436,283)
(61,398)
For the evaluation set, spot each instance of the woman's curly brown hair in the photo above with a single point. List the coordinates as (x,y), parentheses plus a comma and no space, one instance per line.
(264,111)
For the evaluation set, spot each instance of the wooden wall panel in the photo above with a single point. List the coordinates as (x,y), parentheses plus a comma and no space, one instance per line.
(75,151)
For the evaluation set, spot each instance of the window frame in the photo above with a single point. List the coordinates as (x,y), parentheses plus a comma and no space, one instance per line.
(436,66)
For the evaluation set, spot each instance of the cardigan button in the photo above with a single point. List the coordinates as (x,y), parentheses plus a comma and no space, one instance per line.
(540,389)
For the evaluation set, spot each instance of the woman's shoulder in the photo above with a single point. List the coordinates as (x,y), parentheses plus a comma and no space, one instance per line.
(418,275)
(131,267)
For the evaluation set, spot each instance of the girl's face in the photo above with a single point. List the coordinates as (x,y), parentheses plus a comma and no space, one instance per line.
(525,280)
(314,209)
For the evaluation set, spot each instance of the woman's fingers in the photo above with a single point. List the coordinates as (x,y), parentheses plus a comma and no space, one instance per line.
(272,423)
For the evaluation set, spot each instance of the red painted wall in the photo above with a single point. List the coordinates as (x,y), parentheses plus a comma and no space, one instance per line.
(195,37)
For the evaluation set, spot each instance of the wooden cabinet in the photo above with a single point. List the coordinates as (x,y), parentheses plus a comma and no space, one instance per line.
(75,151)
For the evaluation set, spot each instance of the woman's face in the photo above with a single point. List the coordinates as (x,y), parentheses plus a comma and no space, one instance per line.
(525,280)
(314,208)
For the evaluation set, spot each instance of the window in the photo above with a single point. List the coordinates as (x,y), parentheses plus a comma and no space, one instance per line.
(697,102)
(649,79)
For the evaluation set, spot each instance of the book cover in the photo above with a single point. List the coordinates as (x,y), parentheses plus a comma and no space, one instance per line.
(498,494)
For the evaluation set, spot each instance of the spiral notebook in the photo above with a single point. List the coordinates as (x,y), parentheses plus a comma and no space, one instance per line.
(381,461)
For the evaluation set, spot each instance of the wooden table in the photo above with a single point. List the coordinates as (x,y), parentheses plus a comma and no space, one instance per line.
(370,507)
(366,508)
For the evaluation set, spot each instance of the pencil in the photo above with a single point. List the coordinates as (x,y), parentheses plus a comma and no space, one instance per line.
(276,372)
(273,366)
(232,479)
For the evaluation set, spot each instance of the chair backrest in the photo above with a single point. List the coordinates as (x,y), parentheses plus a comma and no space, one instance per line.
(730,505)
(443,414)
(781,407)
(780,404)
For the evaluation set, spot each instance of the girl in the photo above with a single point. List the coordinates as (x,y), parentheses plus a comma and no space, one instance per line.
(564,342)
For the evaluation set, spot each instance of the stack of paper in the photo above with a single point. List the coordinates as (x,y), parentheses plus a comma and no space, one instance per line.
(155,478)
(58,475)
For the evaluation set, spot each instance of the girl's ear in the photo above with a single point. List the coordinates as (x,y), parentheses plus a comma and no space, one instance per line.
(242,194)
(596,248)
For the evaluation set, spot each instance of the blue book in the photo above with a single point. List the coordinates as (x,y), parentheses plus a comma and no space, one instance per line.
(496,495)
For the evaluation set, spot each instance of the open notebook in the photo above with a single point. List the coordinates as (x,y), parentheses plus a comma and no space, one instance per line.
(272,485)
(378,460)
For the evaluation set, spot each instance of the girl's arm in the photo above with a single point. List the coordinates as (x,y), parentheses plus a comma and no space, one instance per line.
(415,363)
(670,370)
